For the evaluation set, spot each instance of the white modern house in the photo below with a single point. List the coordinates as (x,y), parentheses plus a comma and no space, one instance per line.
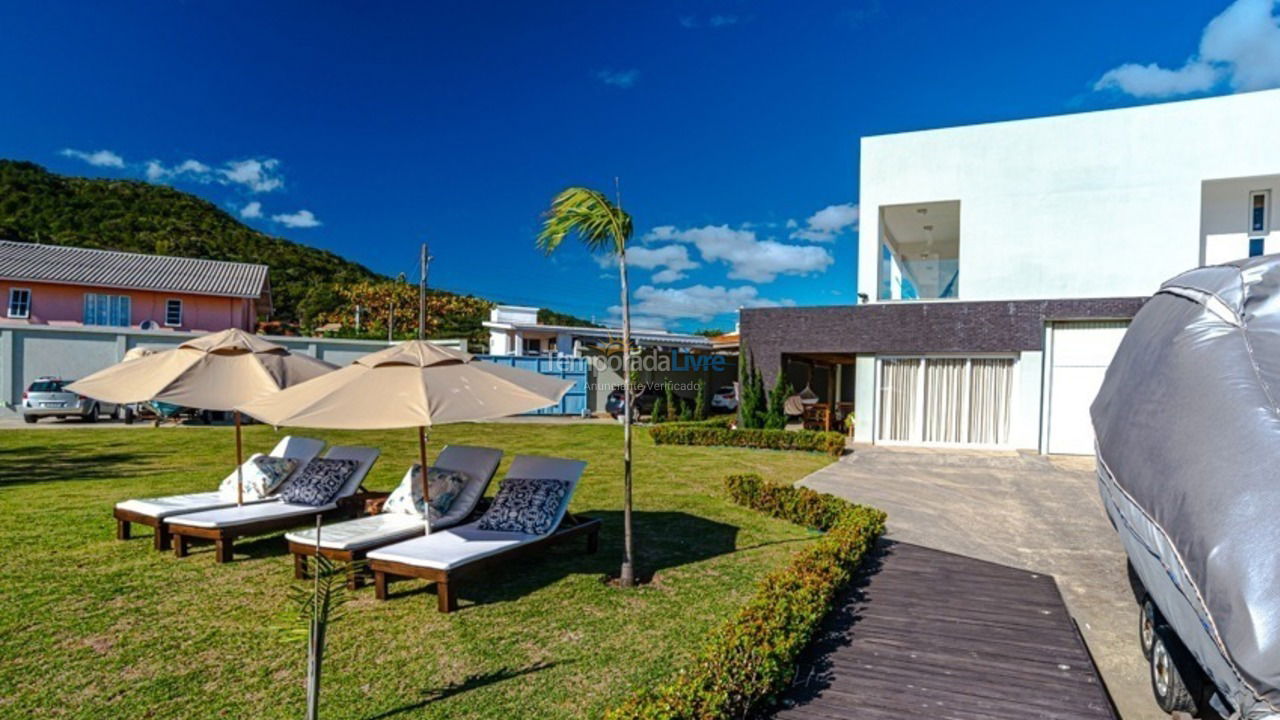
(515,330)
(1000,264)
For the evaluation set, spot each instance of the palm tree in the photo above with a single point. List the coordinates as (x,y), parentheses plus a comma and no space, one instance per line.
(602,226)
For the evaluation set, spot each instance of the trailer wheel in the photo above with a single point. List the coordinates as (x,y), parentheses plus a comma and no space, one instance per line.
(1171,668)
(1149,619)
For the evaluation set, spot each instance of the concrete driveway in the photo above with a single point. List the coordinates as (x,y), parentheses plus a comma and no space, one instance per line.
(1034,512)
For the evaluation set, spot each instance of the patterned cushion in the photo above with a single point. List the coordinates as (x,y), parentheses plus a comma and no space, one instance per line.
(319,482)
(525,506)
(262,477)
(444,486)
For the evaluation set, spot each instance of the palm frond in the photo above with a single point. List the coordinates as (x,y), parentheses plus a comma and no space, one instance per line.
(588,214)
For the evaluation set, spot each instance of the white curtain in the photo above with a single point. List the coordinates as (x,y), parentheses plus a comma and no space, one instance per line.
(990,398)
(944,400)
(899,383)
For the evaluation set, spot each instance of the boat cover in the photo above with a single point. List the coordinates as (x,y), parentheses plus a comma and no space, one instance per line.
(1188,444)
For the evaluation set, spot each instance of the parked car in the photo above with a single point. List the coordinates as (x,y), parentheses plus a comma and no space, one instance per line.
(48,397)
(725,398)
(645,395)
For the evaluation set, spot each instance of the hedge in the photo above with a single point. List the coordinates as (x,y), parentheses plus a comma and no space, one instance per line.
(704,433)
(748,661)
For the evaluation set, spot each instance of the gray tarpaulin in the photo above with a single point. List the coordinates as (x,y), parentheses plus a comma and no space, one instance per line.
(1188,439)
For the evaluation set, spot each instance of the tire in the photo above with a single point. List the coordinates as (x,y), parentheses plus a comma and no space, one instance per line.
(30,419)
(129,415)
(115,414)
(1171,669)
(1149,618)
(92,415)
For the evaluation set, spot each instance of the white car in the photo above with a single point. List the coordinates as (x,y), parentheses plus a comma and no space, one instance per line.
(725,398)
(47,397)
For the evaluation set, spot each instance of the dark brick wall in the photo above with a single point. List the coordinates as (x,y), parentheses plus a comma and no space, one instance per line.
(916,327)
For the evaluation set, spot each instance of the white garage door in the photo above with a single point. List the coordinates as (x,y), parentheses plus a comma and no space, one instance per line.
(1081,352)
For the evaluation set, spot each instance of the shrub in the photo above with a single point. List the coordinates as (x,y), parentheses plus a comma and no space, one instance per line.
(708,433)
(700,402)
(776,416)
(749,660)
(672,404)
(659,412)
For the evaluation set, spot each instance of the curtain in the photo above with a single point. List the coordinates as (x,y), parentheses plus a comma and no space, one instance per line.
(944,400)
(990,395)
(899,383)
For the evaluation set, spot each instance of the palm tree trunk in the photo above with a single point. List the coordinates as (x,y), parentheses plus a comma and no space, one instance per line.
(627,577)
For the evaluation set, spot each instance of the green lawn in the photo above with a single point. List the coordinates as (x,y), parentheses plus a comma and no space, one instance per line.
(93,627)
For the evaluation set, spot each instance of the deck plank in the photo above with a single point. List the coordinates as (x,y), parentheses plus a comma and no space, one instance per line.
(926,633)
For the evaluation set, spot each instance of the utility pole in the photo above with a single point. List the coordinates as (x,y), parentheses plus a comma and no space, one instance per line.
(424,264)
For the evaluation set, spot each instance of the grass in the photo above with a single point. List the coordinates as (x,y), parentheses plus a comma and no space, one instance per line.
(92,627)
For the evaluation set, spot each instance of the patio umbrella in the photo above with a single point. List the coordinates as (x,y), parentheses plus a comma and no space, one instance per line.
(218,371)
(413,384)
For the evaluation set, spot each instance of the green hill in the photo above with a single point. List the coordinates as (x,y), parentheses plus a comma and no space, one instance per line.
(308,286)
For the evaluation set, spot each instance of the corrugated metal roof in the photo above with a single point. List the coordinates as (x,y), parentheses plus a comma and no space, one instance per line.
(110,268)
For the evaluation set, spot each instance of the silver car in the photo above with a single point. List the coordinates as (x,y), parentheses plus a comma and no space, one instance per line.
(47,397)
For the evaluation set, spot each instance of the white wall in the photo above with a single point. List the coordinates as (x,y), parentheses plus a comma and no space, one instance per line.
(1224,219)
(1087,205)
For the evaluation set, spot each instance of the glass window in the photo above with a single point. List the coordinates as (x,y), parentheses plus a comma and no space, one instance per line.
(173,313)
(532,346)
(1257,246)
(946,400)
(1258,202)
(106,310)
(19,303)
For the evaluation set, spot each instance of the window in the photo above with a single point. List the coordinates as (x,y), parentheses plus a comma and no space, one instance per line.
(1257,246)
(109,310)
(946,400)
(1259,211)
(172,313)
(920,251)
(19,303)
(532,346)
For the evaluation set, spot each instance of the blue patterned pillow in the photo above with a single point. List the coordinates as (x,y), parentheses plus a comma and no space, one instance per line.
(319,482)
(525,506)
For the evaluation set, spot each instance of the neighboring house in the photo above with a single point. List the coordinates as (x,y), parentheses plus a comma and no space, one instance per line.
(661,356)
(1001,263)
(61,286)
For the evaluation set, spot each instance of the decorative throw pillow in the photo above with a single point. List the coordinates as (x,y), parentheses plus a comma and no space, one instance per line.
(262,477)
(443,485)
(319,482)
(525,505)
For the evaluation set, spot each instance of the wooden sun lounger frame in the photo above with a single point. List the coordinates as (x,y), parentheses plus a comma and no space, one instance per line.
(446,600)
(126,518)
(224,538)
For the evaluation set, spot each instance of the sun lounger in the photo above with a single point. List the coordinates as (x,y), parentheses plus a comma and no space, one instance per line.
(442,557)
(225,525)
(350,540)
(153,511)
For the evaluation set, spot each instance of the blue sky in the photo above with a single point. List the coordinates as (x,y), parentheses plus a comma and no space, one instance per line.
(366,128)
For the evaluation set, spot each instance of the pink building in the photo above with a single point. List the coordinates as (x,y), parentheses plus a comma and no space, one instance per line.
(71,287)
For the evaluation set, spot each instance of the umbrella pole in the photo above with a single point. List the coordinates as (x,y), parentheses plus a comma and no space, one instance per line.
(239,463)
(422,458)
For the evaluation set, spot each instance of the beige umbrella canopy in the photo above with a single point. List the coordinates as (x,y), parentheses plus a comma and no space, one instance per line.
(413,384)
(219,371)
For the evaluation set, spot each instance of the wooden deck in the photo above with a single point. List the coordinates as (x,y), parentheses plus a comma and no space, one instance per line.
(929,634)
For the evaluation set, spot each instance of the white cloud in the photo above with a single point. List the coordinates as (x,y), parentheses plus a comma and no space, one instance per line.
(97,158)
(792,224)
(722,20)
(670,262)
(824,225)
(619,78)
(300,219)
(697,302)
(257,175)
(748,257)
(690,22)
(1240,46)
(251,210)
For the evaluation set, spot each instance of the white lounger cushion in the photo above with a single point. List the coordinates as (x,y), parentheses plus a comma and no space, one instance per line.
(274,509)
(300,448)
(372,530)
(448,549)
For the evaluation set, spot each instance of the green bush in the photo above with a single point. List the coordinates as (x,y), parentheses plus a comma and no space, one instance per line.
(749,660)
(707,433)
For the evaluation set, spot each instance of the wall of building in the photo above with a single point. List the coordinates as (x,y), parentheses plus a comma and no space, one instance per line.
(1224,221)
(1098,204)
(71,353)
(63,305)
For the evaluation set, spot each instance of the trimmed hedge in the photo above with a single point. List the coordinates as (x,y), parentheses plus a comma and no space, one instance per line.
(706,433)
(749,660)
